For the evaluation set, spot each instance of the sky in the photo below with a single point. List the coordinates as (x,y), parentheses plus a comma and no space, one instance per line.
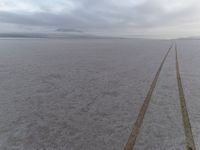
(127,18)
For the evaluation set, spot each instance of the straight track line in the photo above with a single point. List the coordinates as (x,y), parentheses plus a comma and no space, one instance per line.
(190,145)
(136,128)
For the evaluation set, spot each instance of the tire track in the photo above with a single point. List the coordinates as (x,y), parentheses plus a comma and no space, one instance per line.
(190,145)
(137,125)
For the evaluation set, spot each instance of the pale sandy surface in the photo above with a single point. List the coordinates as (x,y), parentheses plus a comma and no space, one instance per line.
(86,94)
(189,56)
(163,128)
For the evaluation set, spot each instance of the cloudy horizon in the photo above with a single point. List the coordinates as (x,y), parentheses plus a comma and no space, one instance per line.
(131,18)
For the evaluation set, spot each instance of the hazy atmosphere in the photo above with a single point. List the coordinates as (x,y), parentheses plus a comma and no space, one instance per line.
(129,18)
(99,75)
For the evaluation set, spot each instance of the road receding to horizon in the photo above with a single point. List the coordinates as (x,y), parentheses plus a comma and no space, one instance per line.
(137,125)
(86,94)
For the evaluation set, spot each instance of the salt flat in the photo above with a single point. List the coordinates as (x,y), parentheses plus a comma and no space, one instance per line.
(163,127)
(190,70)
(86,94)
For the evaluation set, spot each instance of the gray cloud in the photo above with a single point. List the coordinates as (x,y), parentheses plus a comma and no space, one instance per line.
(105,16)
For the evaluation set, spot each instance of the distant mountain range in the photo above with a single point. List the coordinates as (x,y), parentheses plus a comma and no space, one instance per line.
(64,34)
(69,30)
(22,35)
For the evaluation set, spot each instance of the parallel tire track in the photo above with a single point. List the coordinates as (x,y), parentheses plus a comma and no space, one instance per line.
(190,145)
(136,128)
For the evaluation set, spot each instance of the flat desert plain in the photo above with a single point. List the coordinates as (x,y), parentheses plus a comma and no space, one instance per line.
(86,94)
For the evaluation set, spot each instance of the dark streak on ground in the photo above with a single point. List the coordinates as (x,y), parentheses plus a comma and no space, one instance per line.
(136,128)
(190,145)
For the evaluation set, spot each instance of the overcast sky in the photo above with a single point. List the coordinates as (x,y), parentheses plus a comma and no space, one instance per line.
(137,18)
